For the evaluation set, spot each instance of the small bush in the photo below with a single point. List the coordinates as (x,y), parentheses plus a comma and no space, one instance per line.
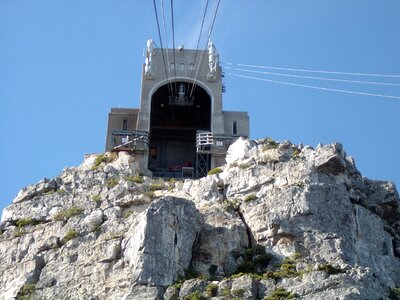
(212,290)
(156,187)
(71,234)
(128,213)
(149,194)
(270,144)
(103,158)
(226,292)
(61,191)
(95,228)
(246,267)
(96,198)
(136,178)
(244,166)
(280,294)
(26,291)
(395,294)
(112,182)
(214,171)
(195,296)
(250,197)
(331,270)
(21,223)
(230,205)
(19,232)
(238,293)
(295,153)
(68,213)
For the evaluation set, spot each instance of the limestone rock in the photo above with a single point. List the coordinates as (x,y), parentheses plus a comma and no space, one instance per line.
(291,218)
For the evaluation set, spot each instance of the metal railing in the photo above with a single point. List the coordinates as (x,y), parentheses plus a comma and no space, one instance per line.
(210,143)
(130,140)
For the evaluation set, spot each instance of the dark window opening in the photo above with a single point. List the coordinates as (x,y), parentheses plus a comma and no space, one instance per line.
(153,152)
(125,124)
(234,127)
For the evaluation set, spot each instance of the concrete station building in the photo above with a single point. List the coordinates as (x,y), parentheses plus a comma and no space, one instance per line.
(180,129)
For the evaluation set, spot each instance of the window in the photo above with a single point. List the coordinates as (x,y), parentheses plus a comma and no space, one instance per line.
(153,152)
(234,127)
(125,124)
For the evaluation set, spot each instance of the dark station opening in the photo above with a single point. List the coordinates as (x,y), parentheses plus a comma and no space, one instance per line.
(175,119)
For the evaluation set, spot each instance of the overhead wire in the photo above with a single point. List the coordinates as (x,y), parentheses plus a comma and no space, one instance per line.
(317,87)
(161,44)
(198,43)
(173,41)
(166,41)
(316,78)
(318,71)
(208,39)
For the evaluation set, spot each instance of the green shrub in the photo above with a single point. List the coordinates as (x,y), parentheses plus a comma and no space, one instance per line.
(270,144)
(128,213)
(19,232)
(295,153)
(331,270)
(280,294)
(156,187)
(212,290)
(244,166)
(250,197)
(195,296)
(149,194)
(112,182)
(103,158)
(71,234)
(214,171)
(68,213)
(26,291)
(230,205)
(246,267)
(287,269)
(96,198)
(255,261)
(395,294)
(61,191)
(226,292)
(136,178)
(238,293)
(95,228)
(21,223)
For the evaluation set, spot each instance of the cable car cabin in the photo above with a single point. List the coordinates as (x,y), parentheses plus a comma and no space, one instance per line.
(180,129)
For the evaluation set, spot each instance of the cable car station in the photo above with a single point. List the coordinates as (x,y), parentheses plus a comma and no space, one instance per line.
(180,129)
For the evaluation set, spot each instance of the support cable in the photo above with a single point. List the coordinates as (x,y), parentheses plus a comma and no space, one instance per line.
(166,41)
(162,49)
(202,53)
(198,42)
(173,40)
(316,78)
(318,87)
(318,71)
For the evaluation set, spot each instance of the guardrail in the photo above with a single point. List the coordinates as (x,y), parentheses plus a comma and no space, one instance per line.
(130,140)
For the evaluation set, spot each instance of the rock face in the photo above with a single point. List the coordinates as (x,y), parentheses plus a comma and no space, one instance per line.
(277,220)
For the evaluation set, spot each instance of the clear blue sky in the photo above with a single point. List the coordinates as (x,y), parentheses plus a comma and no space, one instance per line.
(64,64)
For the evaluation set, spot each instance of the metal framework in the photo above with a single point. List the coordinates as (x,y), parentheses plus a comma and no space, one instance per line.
(135,141)
(207,144)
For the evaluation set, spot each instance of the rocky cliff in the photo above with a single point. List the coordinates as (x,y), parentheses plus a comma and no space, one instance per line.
(278,221)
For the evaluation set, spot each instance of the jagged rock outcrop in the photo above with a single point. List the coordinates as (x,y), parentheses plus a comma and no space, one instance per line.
(278,220)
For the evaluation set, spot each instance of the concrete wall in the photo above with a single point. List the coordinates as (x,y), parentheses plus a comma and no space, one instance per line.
(190,64)
(242,123)
(115,122)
